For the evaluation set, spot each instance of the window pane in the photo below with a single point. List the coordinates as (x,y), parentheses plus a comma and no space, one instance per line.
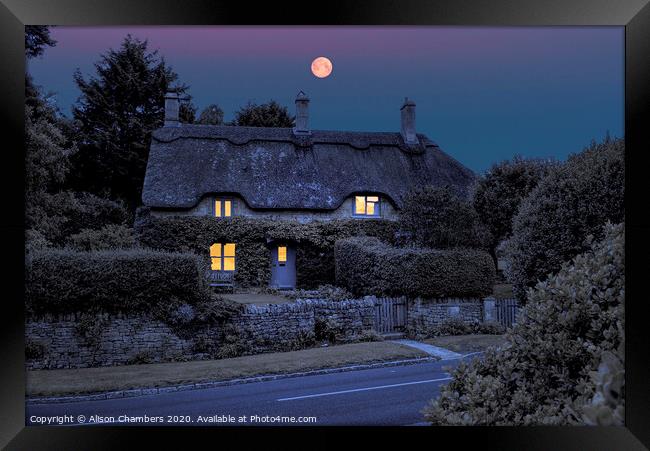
(229,263)
(216,264)
(229,250)
(217,208)
(282,254)
(215,250)
(370,208)
(373,198)
(227,208)
(359,205)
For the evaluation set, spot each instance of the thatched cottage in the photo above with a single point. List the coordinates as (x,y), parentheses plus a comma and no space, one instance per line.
(296,174)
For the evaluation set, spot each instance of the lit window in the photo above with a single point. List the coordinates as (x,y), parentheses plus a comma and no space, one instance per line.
(366,205)
(282,254)
(222,257)
(223,208)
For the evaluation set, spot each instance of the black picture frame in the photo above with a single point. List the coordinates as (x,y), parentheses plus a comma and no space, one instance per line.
(634,15)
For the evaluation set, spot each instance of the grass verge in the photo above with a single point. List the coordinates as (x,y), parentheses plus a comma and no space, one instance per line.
(91,380)
(466,343)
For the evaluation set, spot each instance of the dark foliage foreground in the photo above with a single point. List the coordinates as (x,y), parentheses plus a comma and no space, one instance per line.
(563,360)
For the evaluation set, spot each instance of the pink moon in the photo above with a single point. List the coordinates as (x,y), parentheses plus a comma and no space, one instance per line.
(321,67)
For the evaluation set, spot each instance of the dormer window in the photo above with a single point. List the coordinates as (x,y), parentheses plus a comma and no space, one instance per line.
(223,207)
(366,206)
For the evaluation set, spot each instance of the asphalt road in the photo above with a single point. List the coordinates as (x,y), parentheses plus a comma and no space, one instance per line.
(383,396)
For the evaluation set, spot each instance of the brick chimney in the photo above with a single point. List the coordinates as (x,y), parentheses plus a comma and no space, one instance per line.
(172,103)
(302,115)
(408,122)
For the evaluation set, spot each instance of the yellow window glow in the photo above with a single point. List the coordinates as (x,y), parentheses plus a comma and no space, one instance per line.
(359,205)
(282,254)
(370,208)
(217,208)
(229,263)
(229,250)
(227,208)
(216,264)
(215,250)
(373,198)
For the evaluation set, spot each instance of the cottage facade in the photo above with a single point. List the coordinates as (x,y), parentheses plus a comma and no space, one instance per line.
(294,174)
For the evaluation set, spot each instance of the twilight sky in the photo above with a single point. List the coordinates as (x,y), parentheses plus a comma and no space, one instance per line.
(483,94)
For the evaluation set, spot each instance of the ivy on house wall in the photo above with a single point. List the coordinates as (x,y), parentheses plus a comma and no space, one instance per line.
(253,236)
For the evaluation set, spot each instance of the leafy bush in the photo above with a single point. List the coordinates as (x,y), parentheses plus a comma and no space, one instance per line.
(110,236)
(366,266)
(315,242)
(61,281)
(499,193)
(60,215)
(543,373)
(574,201)
(456,326)
(326,329)
(437,217)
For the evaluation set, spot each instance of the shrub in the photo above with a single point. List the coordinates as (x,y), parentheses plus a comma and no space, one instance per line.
(438,218)
(498,194)
(455,326)
(315,242)
(110,236)
(366,266)
(543,373)
(57,216)
(326,329)
(62,281)
(574,201)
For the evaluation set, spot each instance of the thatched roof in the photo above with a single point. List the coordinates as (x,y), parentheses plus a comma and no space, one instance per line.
(273,168)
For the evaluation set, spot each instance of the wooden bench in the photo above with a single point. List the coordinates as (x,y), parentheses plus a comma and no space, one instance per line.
(221,279)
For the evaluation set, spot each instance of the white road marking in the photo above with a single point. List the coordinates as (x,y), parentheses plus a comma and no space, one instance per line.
(364,389)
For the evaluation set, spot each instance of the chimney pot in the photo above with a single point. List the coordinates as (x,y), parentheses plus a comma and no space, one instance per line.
(408,122)
(302,114)
(172,102)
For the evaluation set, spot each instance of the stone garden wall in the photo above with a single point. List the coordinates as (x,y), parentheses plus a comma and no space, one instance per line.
(83,340)
(78,341)
(424,314)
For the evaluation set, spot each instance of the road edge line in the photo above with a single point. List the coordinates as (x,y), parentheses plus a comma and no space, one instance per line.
(131,393)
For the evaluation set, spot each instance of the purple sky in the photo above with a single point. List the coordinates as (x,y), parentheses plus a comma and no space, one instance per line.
(483,94)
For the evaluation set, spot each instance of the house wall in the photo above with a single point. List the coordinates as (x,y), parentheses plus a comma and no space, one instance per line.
(205,207)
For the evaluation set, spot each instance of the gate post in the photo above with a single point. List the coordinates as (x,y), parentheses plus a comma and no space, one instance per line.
(489,306)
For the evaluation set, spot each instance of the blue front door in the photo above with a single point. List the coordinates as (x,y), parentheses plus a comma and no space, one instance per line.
(283,266)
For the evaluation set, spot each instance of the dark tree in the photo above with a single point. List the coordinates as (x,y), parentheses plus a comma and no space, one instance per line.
(211,115)
(574,201)
(116,113)
(37,37)
(187,111)
(500,191)
(269,114)
(438,218)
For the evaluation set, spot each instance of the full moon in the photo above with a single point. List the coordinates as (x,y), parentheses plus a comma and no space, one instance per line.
(321,67)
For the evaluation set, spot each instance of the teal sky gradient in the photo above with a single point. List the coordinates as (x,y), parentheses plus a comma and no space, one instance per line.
(483,94)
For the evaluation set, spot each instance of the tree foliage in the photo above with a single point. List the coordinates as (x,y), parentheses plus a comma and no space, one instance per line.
(269,114)
(571,329)
(572,202)
(438,218)
(37,38)
(499,193)
(211,115)
(118,108)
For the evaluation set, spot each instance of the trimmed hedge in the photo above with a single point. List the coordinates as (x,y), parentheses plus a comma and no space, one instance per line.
(366,266)
(315,242)
(63,281)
